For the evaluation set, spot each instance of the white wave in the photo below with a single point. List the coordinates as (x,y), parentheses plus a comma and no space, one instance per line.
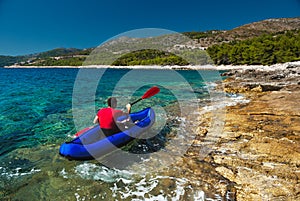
(64,174)
(144,187)
(127,185)
(222,102)
(98,172)
(17,172)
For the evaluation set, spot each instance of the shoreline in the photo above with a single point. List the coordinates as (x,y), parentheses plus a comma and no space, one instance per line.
(156,67)
(258,149)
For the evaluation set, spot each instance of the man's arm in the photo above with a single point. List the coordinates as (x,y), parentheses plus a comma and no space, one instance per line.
(95,120)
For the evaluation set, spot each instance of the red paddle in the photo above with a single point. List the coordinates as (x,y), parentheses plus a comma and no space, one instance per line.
(149,93)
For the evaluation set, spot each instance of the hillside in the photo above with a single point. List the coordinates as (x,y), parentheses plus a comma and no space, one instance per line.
(181,45)
(176,44)
(58,56)
(10,60)
(247,31)
(266,49)
(149,57)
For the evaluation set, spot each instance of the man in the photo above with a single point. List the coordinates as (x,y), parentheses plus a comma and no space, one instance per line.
(106,117)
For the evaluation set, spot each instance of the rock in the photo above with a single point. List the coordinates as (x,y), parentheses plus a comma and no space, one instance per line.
(271,87)
(257,154)
(230,73)
(226,173)
(293,65)
(277,76)
(201,131)
(257,89)
(259,149)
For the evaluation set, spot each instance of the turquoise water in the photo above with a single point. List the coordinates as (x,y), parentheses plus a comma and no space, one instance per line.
(35,106)
(37,114)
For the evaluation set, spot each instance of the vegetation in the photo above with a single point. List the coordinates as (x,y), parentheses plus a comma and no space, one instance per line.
(59,52)
(10,60)
(205,34)
(66,61)
(264,50)
(55,57)
(149,57)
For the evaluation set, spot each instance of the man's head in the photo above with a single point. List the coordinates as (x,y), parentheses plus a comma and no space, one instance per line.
(112,102)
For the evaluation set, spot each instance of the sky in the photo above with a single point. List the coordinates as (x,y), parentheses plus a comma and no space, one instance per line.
(32,26)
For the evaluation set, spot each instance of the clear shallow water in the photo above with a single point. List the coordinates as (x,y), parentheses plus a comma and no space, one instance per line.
(34,106)
(37,115)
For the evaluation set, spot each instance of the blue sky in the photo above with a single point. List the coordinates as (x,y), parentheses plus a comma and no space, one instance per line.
(31,26)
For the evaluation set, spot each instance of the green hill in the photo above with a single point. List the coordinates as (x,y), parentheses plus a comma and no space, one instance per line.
(10,60)
(149,57)
(55,57)
(244,32)
(263,50)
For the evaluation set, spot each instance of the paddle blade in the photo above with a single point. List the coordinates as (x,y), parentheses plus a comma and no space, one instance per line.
(151,92)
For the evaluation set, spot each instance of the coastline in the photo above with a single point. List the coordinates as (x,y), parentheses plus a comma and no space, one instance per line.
(258,150)
(190,67)
(154,67)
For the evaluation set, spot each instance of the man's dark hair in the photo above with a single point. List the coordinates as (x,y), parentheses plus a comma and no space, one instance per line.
(112,102)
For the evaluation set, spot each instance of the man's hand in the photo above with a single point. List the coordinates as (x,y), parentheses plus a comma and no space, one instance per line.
(128,107)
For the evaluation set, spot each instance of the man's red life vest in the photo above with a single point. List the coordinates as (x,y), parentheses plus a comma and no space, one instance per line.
(107,117)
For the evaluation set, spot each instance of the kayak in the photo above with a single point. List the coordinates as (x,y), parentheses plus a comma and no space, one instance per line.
(91,143)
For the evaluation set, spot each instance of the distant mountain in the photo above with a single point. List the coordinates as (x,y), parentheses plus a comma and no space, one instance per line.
(58,56)
(255,29)
(64,52)
(10,60)
(176,44)
(180,44)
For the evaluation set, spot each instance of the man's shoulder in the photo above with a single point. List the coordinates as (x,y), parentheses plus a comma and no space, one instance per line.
(108,109)
(104,110)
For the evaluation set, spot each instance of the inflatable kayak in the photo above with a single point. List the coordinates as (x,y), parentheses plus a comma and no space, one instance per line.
(92,143)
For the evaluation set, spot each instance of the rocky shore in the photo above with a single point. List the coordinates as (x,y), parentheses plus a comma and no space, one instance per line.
(258,150)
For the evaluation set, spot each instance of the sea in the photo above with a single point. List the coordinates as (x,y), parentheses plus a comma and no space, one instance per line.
(41,108)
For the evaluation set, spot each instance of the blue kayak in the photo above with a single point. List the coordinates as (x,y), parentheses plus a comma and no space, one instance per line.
(92,143)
